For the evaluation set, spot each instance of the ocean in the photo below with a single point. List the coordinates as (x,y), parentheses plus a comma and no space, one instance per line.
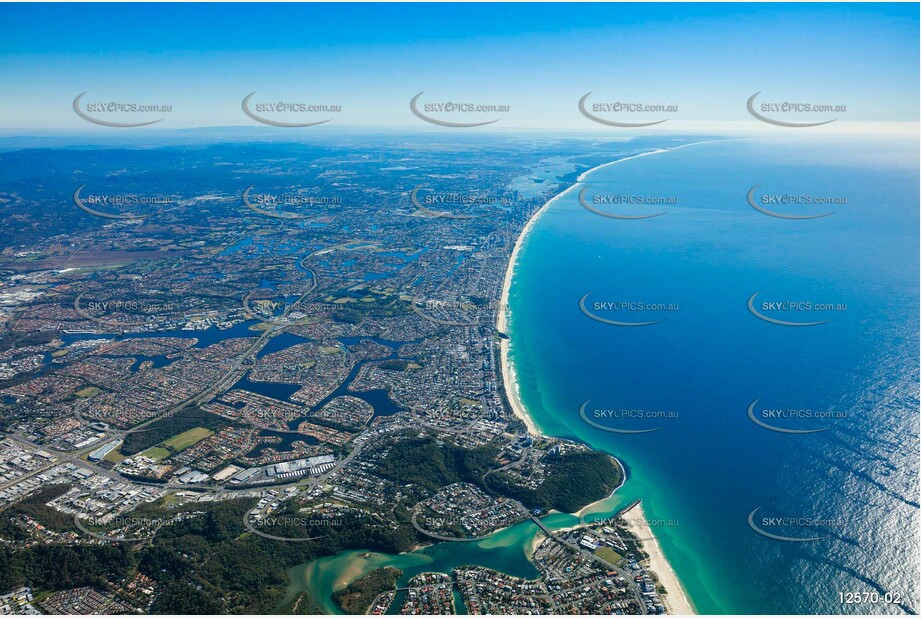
(768,412)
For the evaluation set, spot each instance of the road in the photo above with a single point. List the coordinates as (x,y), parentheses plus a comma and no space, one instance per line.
(440,537)
(594,558)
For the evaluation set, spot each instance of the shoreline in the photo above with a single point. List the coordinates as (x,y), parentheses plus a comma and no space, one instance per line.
(509,381)
(585,510)
(676,598)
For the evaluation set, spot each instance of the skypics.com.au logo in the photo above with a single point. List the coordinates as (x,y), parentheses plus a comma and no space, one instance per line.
(771,112)
(120,313)
(279,113)
(599,204)
(621,420)
(766,310)
(612,113)
(773,204)
(103,113)
(798,529)
(622,309)
(438,112)
(791,420)
(274,204)
(461,205)
(150,204)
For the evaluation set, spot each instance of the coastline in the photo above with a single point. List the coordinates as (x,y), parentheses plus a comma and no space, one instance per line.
(676,599)
(509,381)
(588,508)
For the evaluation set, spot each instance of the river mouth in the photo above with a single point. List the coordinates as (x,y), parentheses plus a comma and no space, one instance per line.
(507,550)
(690,374)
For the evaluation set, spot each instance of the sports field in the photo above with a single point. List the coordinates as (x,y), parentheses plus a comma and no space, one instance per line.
(177,443)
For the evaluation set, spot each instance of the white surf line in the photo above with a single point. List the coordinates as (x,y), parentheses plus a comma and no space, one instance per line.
(509,377)
(582,176)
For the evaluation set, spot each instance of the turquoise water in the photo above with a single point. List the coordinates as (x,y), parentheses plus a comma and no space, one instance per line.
(708,466)
(506,550)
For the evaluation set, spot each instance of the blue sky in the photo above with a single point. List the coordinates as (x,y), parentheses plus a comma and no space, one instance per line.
(539,59)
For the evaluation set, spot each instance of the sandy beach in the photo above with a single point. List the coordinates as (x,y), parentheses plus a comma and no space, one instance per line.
(590,507)
(676,601)
(508,373)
